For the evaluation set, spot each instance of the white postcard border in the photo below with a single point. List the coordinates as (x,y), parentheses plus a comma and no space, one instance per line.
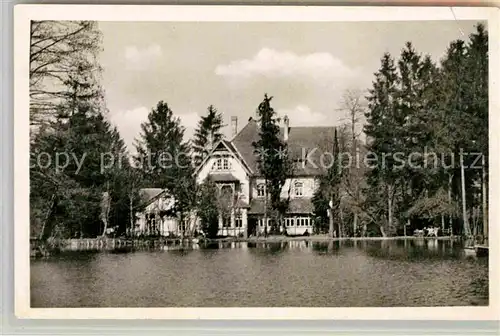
(24,13)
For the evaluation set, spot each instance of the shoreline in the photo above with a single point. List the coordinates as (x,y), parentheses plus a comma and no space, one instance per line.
(41,249)
(325,238)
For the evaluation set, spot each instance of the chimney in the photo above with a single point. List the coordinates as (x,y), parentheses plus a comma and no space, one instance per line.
(234,126)
(287,128)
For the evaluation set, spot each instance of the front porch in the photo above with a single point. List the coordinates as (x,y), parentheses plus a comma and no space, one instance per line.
(297,221)
(295,224)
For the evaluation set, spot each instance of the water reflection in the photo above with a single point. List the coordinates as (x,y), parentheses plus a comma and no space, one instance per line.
(408,249)
(402,248)
(423,272)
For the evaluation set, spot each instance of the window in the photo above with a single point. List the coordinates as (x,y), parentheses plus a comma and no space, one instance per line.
(226,221)
(238,221)
(221,164)
(289,222)
(225,164)
(304,221)
(151,223)
(261,190)
(299,188)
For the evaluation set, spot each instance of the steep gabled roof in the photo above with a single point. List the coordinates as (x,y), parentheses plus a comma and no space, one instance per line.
(148,195)
(307,145)
(230,147)
(243,144)
(303,142)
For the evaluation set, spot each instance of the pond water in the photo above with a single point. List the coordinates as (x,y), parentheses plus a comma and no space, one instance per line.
(294,274)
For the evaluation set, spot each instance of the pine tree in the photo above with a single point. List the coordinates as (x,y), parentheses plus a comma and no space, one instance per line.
(207,134)
(413,126)
(79,143)
(477,64)
(382,130)
(165,162)
(273,161)
(159,146)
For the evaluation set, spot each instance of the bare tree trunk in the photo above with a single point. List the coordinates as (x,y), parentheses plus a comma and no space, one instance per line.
(450,180)
(485,200)
(464,205)
(382,231)
(330,228)
(341,222)
(389,204)
(354,224)
(105,205)
(442,223)
(265,212)
(131,214)
(354,146)
(47,216)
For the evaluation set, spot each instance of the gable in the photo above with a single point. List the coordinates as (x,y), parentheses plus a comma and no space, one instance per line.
(223,164)
(154,198)
(222,148)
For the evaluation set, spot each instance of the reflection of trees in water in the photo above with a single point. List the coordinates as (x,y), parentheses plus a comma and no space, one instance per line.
(326,247)
(410,249)
(320,246)
(279,247)
(415,249)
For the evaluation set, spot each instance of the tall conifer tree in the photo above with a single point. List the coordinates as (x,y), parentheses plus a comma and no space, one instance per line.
(273,160)
(165,160)
(207,134)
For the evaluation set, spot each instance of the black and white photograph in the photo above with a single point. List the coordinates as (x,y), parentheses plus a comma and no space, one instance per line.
(256,163)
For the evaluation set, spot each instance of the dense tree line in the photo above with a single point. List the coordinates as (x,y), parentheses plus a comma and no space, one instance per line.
(439,111)
(424,122)
(79,172)
(414,106)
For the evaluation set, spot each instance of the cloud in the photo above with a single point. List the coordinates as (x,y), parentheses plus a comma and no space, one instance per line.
(129,124)
(272,63)
(302,115)
(141,58)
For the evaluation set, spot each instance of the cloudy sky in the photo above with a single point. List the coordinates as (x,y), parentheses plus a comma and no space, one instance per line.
(305,66)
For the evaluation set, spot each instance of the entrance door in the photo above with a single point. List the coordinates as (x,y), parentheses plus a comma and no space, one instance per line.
(252,226)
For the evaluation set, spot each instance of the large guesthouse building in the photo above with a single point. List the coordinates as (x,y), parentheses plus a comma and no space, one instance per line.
(232,166)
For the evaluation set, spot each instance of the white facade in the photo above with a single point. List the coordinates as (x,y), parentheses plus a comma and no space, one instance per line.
(227,170)
(232,166)
(298,187)
(157,220)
